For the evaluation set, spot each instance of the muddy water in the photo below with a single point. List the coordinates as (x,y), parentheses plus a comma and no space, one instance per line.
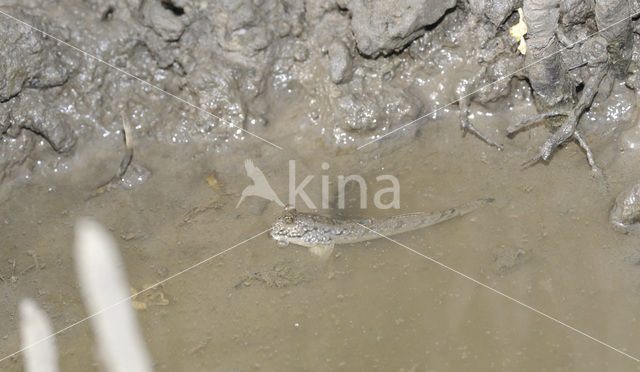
(546,242)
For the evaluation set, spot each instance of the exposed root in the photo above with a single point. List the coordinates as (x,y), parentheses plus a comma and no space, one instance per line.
(514,128)
(596,171)
(568,130)
(463,104)
(583,144)
(124,164)
(467,126)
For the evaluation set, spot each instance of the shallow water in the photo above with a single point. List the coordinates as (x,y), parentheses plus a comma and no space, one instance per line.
(546,242)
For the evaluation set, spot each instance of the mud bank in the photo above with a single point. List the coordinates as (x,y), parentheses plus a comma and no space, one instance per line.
(345,72)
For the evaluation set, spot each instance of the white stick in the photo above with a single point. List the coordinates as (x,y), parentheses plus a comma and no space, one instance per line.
(106,296)
(35,331)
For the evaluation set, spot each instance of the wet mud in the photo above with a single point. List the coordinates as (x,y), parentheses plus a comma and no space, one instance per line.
(207,85)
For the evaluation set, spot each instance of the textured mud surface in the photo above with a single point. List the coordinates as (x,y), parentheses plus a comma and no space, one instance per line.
(320,79)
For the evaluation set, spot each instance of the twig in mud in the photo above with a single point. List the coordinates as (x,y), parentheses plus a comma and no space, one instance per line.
(13,276)
(27,269)
(187,217)
(36,262)
(124,164)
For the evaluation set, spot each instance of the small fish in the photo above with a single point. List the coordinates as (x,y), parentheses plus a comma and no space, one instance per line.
(320,234)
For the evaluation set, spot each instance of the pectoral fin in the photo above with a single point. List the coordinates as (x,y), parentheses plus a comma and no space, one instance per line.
(322,250)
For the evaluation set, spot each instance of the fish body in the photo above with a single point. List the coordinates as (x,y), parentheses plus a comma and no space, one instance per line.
(320,233)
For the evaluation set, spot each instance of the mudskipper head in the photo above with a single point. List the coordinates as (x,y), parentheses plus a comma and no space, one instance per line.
(286,229)
(307,230)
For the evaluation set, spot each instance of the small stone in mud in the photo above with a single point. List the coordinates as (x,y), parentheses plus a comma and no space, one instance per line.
(340,64)
(625,214)
(129,236)
(506,259)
